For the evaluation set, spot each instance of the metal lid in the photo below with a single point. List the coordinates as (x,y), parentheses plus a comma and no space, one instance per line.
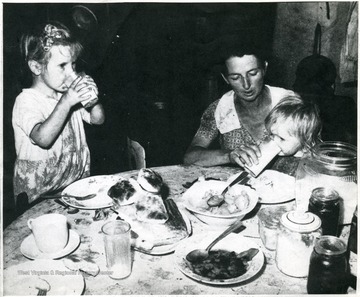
(330,245)
(300,221)
(324,194)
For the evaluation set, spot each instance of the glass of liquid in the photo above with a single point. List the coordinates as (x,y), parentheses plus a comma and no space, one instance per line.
(117,235)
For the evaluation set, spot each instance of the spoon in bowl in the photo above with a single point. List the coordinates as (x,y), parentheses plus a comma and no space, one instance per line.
(199,255)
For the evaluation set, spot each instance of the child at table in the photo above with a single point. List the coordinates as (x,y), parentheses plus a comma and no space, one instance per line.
(50,141)
(294,125)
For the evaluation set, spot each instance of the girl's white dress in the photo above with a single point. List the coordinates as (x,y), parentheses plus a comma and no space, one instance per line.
(37,170)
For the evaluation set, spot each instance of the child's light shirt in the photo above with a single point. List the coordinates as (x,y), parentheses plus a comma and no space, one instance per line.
(39,170)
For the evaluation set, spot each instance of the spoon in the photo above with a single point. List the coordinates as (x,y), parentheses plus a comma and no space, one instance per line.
(239,179)
(199,255)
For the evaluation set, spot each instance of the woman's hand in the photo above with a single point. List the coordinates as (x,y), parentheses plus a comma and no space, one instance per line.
(245,155)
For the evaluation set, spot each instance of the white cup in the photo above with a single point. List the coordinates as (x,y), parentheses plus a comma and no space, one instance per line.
(50,231)
(268,151)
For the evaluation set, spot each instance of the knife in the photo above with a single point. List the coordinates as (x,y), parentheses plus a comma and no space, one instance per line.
(241,176)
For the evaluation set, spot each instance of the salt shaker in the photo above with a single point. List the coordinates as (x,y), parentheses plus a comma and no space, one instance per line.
(297,236)
(328,267)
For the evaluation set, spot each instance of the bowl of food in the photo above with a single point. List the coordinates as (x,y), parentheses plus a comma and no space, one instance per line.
(205,201)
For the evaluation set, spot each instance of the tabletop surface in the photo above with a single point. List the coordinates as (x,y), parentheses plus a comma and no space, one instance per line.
(153,274)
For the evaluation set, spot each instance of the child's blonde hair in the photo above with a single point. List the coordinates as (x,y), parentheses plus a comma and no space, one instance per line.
(36,44)
(306,123)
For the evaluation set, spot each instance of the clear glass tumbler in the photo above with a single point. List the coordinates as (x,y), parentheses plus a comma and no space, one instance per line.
(117,235)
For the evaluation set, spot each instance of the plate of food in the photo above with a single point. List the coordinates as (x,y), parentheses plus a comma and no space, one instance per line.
(233,260)
(99,185)
(51,276)
(205,201)
(156,237)
(153,215)
(111,190)
(273,187)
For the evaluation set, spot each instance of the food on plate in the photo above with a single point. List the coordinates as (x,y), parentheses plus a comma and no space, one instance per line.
(150,207)
(273,186)
(223,264)
(150,180)
(213,202)
(121,192)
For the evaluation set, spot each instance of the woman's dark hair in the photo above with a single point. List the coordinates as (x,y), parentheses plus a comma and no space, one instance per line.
(240,49)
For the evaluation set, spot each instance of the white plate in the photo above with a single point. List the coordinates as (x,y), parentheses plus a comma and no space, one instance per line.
(21,279)
(273,186)
(99,184)
(30,250)
(233,242)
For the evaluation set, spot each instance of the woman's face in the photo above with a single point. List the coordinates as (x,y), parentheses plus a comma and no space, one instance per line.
(289,144)
(246,76)
(58,68)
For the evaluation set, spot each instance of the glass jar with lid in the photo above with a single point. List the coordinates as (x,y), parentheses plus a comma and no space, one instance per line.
(296,239)
(329,164)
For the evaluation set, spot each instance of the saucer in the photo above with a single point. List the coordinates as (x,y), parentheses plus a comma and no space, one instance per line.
(30,250)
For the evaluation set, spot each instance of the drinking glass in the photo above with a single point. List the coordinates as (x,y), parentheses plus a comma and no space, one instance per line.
(117,235)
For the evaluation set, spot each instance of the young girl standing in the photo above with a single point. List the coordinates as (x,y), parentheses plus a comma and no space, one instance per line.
(47,118)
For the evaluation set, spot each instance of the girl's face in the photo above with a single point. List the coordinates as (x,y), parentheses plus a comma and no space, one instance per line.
(288,143)
(246,76)
(58,69)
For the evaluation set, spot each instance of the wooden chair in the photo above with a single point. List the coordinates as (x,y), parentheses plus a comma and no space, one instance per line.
(136,155)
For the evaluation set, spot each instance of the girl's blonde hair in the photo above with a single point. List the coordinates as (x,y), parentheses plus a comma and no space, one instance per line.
(36,44)
(306,123)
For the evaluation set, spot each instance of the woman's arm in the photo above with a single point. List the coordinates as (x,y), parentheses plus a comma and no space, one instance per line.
(199,154)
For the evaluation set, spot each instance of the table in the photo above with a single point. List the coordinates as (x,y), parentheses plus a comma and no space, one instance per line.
(155,275)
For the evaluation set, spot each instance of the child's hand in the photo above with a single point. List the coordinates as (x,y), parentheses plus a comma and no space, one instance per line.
(80,90)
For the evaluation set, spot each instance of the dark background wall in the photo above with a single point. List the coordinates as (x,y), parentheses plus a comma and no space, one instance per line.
(156,66)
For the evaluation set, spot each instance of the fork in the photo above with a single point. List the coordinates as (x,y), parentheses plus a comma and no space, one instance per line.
(41,292)
(80,198)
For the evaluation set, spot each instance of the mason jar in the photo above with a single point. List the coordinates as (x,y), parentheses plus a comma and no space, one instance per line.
(329,164)
(328,267)
(325,203)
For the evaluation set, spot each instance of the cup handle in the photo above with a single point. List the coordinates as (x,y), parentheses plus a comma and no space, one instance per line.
(29,223)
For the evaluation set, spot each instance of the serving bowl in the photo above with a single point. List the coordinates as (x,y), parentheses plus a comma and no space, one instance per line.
(194,202)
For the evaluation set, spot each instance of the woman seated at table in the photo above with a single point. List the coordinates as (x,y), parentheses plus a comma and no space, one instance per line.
(237,118)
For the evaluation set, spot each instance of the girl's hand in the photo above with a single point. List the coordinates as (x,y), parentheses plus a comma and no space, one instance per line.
(245,155)
(80,90)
